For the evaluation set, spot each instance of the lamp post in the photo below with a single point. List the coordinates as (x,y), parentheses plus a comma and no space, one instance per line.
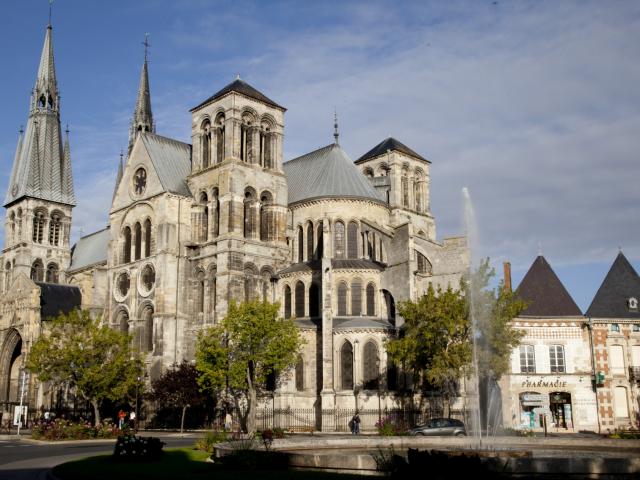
(353,375)
(378,383)
(137,418)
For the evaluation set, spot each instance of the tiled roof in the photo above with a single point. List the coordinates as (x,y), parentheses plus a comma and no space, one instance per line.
(620,284)
(172,160)
(355,264)
(544,292)
(393,145)
(90,250)
(242,87)
(327,172)
(343,323)
(56,299)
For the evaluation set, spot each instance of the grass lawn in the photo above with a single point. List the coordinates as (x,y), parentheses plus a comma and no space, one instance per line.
(176,463)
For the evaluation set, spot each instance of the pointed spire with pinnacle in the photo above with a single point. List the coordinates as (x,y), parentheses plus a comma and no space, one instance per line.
(118,175)
(142,116)
(42,169)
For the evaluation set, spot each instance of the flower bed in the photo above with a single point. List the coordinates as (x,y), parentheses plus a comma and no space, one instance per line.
(138,449)
(61,429)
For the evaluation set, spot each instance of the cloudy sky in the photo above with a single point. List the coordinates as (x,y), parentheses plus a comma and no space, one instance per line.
(534,106)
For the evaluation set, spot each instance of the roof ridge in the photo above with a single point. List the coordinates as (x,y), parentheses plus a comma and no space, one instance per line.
(164,137)
(327,147)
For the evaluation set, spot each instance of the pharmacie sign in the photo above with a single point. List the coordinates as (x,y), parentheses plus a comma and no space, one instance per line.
(543,382)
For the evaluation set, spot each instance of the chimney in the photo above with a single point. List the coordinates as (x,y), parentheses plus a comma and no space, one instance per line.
(507,276)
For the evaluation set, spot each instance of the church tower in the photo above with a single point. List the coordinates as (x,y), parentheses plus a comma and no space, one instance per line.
(40,196)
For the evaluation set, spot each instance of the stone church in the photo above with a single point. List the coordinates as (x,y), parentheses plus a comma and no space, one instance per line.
(195,226)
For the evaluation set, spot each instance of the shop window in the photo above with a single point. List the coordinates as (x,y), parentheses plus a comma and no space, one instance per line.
(556,358)
(527,359)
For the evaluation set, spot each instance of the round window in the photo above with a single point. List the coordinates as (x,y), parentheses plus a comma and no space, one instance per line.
(148,277)
(123,284)
(140,181)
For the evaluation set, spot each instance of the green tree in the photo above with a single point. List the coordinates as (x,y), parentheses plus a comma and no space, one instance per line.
(434,343)
(239,354)
(95,360)
(178,388)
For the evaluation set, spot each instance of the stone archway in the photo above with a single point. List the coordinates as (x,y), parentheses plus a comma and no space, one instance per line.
(10,364)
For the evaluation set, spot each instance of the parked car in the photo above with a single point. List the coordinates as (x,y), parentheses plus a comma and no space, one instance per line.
(440,427)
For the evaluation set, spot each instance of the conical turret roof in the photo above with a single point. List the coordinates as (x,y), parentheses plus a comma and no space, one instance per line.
(544,292)
(612,298)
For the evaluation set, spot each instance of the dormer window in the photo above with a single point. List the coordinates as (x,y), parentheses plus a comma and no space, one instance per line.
(633,303)
(615,327)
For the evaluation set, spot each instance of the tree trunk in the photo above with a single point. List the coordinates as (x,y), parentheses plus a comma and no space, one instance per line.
(251,401)
(184,411)
(96,412)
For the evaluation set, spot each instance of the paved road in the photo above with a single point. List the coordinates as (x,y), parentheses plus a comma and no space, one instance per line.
(20,460)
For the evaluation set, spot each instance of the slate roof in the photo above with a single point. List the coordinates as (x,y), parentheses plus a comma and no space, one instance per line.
(544,292)
(56,299)
(355,264)
(242,87)
(343,323)
(90,250)
(172,161)
(393,145)
(327,172)
(620,284)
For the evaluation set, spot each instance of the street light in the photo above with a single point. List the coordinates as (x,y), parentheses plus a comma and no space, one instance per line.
(353,374)
(378,383)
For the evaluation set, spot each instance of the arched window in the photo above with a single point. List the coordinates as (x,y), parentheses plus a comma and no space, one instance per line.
(54,229)
(213,292)
(424,265)
(147,339)
(265,217)
(405,190)
(299,299)
(371,366)
(199,300)
(418,195)
(352,240)
(12,227)
(37,271)
(346,366)
(265,145)
(147,238)
(371,300)
(206,144)
(126,247)
(123,322)
(314,300)
(300,374)
(138,234)
(356,298)
(320,244)
(204,201)
(391,305)
(246,140)
(338,240)
(52,273)
(310,241)
(249,213)
(250,283)
(216,213)
(7,276)
(342,299)
(38,226)
(220,141)
(287,301)
(300,245)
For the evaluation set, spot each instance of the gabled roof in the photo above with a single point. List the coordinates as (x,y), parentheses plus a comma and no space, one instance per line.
(393,145)
(243,88)
(620,284)
(172,161)
(90,250)
(327,172)
(544,292)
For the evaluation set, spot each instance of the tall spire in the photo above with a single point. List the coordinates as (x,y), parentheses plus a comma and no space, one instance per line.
(42,169)
(142,116)
(118,175)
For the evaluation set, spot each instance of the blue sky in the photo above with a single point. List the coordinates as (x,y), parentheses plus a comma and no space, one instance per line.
(534,106)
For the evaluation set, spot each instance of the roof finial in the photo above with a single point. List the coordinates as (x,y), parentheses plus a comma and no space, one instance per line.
(336,134)
(539,249)
(21,129)
(121,155)
(237,76)
(67,130)
(50,8)
(146,46)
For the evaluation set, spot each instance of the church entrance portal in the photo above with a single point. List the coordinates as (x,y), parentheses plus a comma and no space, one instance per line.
(10,365)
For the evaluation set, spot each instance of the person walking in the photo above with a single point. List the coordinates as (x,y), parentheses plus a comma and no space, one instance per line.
(227,422)
(121,417)
(132,420)
(355,424)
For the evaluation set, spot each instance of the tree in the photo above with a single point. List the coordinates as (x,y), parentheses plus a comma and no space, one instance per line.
(238,355)
(434,343)
(178,388)
(95,360)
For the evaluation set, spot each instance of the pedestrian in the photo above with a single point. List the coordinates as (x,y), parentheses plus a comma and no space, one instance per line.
(47,417)
(227,422)
(121,417)
(132,420)
(355,424)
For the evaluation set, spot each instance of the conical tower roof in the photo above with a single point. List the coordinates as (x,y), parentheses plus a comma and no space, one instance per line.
(41,168)
(544,292)
(612,298)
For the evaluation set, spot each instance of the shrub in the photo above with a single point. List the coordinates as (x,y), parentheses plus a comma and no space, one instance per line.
(137,449)
(390,428)
(209,440)
(61,429)
(278,433)
(517,432)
